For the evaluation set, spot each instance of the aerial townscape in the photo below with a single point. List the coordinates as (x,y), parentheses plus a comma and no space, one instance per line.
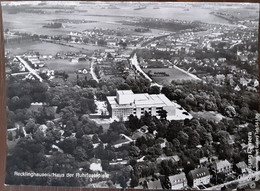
(141,95)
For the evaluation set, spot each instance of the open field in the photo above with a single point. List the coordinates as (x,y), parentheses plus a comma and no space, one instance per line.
(66,65)
(44,48)
(86,47)
(174,74)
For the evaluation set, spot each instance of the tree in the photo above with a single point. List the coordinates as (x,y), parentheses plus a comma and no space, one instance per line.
(118,127)
(6,30)
(101,42)
(27,154)
(165,169)
(105,165)
(10,136)
(79,133)
(173,128)
(123,44)
(134,151)
(154,90)
(183,137)
(224,151)
(133,122)
(190,99)
(95,138)
(163,114)
(39,136)
(230,111)
(80,154)
(63,163)
(223,137)
(86,143)
(67,114)
(68,145)
(134,180)
(124,86)
(30,126)
(176,143)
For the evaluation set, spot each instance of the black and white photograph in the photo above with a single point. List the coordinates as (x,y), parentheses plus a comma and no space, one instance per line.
(121,94)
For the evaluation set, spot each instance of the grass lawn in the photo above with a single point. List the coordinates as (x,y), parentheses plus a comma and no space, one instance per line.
(66,65)
(209,115)
(174,74)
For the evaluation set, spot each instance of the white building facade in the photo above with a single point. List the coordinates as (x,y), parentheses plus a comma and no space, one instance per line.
(178,181)
(126,103)
(199,176)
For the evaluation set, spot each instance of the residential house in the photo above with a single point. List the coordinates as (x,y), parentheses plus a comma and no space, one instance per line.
(220,77)
(243,81)
(241,167)
(124,140)
(237,88)
(204,160)
(223,166)
(255,83)
(112,42)
(8,70)
(153,45)
(222,59)
(156,184)
(197,177)
(21,67)
(178,181)
(173,158)
(254,162)
(83,71)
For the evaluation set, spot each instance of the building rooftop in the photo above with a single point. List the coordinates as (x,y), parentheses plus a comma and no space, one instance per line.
(125,92)
(222,164)
(154,184)
(178,178)
(199,173)
(128,98)
(241,165)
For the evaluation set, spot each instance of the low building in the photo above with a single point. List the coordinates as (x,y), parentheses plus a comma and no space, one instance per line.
(254,162)
(178,181)
(241,167)
(173,158)
(223,166)
(156,184)
(126,103)
(199,176)
(204,160)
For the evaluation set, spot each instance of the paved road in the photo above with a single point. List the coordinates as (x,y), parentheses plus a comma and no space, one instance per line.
(242,180)
(29,68)
(93,73)
(135,63)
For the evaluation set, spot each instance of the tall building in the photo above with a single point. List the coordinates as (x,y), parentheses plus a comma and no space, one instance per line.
(126,103)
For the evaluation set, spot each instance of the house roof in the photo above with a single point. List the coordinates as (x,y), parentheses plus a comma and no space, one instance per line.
(241,165)
(222,164)
(199,173)
(126,98)
(174,158)
(154,184)
(178,178)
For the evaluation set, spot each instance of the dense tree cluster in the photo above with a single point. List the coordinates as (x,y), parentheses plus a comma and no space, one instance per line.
(21,94)
(188,139)
(201,96)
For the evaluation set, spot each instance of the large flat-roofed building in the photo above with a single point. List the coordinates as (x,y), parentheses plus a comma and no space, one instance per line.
(126,103)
